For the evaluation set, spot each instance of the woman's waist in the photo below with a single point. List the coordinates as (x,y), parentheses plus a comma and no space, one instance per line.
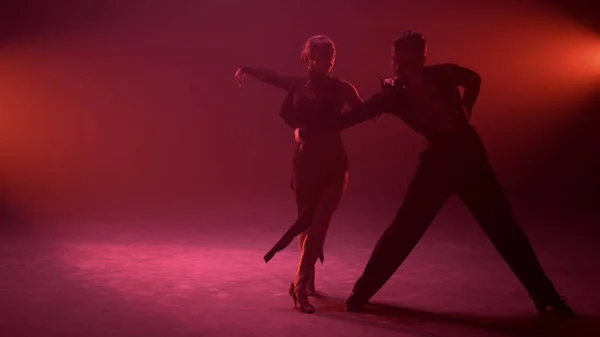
(320,137)
(326,146)
(324,137)
(322,149)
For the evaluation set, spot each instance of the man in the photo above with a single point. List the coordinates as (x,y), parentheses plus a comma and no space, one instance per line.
(427,98)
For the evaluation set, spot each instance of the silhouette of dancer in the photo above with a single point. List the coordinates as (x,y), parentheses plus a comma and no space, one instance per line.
(427,99)
(320,164)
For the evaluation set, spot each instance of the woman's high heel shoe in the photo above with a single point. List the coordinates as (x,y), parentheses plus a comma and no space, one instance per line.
(300,299)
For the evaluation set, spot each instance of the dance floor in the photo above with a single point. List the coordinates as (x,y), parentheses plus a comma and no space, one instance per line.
(201,277)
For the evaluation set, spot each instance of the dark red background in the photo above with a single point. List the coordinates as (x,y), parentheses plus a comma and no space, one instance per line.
(112,109)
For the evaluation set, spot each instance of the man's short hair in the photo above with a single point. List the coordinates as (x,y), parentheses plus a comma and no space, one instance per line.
(410,39)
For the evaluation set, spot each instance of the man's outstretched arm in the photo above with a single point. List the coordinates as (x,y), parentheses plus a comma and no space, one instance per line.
(374,107)
(382,102)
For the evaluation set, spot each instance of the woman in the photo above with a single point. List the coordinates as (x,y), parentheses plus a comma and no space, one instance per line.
(320,164)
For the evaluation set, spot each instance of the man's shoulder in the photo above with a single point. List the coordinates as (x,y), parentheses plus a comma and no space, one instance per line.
(440,67)
(442,73)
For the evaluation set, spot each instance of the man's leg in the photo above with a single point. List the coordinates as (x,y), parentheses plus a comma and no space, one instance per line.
(426,195)
(485,198)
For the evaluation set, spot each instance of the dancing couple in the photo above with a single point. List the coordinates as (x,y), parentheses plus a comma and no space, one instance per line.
(428,100)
